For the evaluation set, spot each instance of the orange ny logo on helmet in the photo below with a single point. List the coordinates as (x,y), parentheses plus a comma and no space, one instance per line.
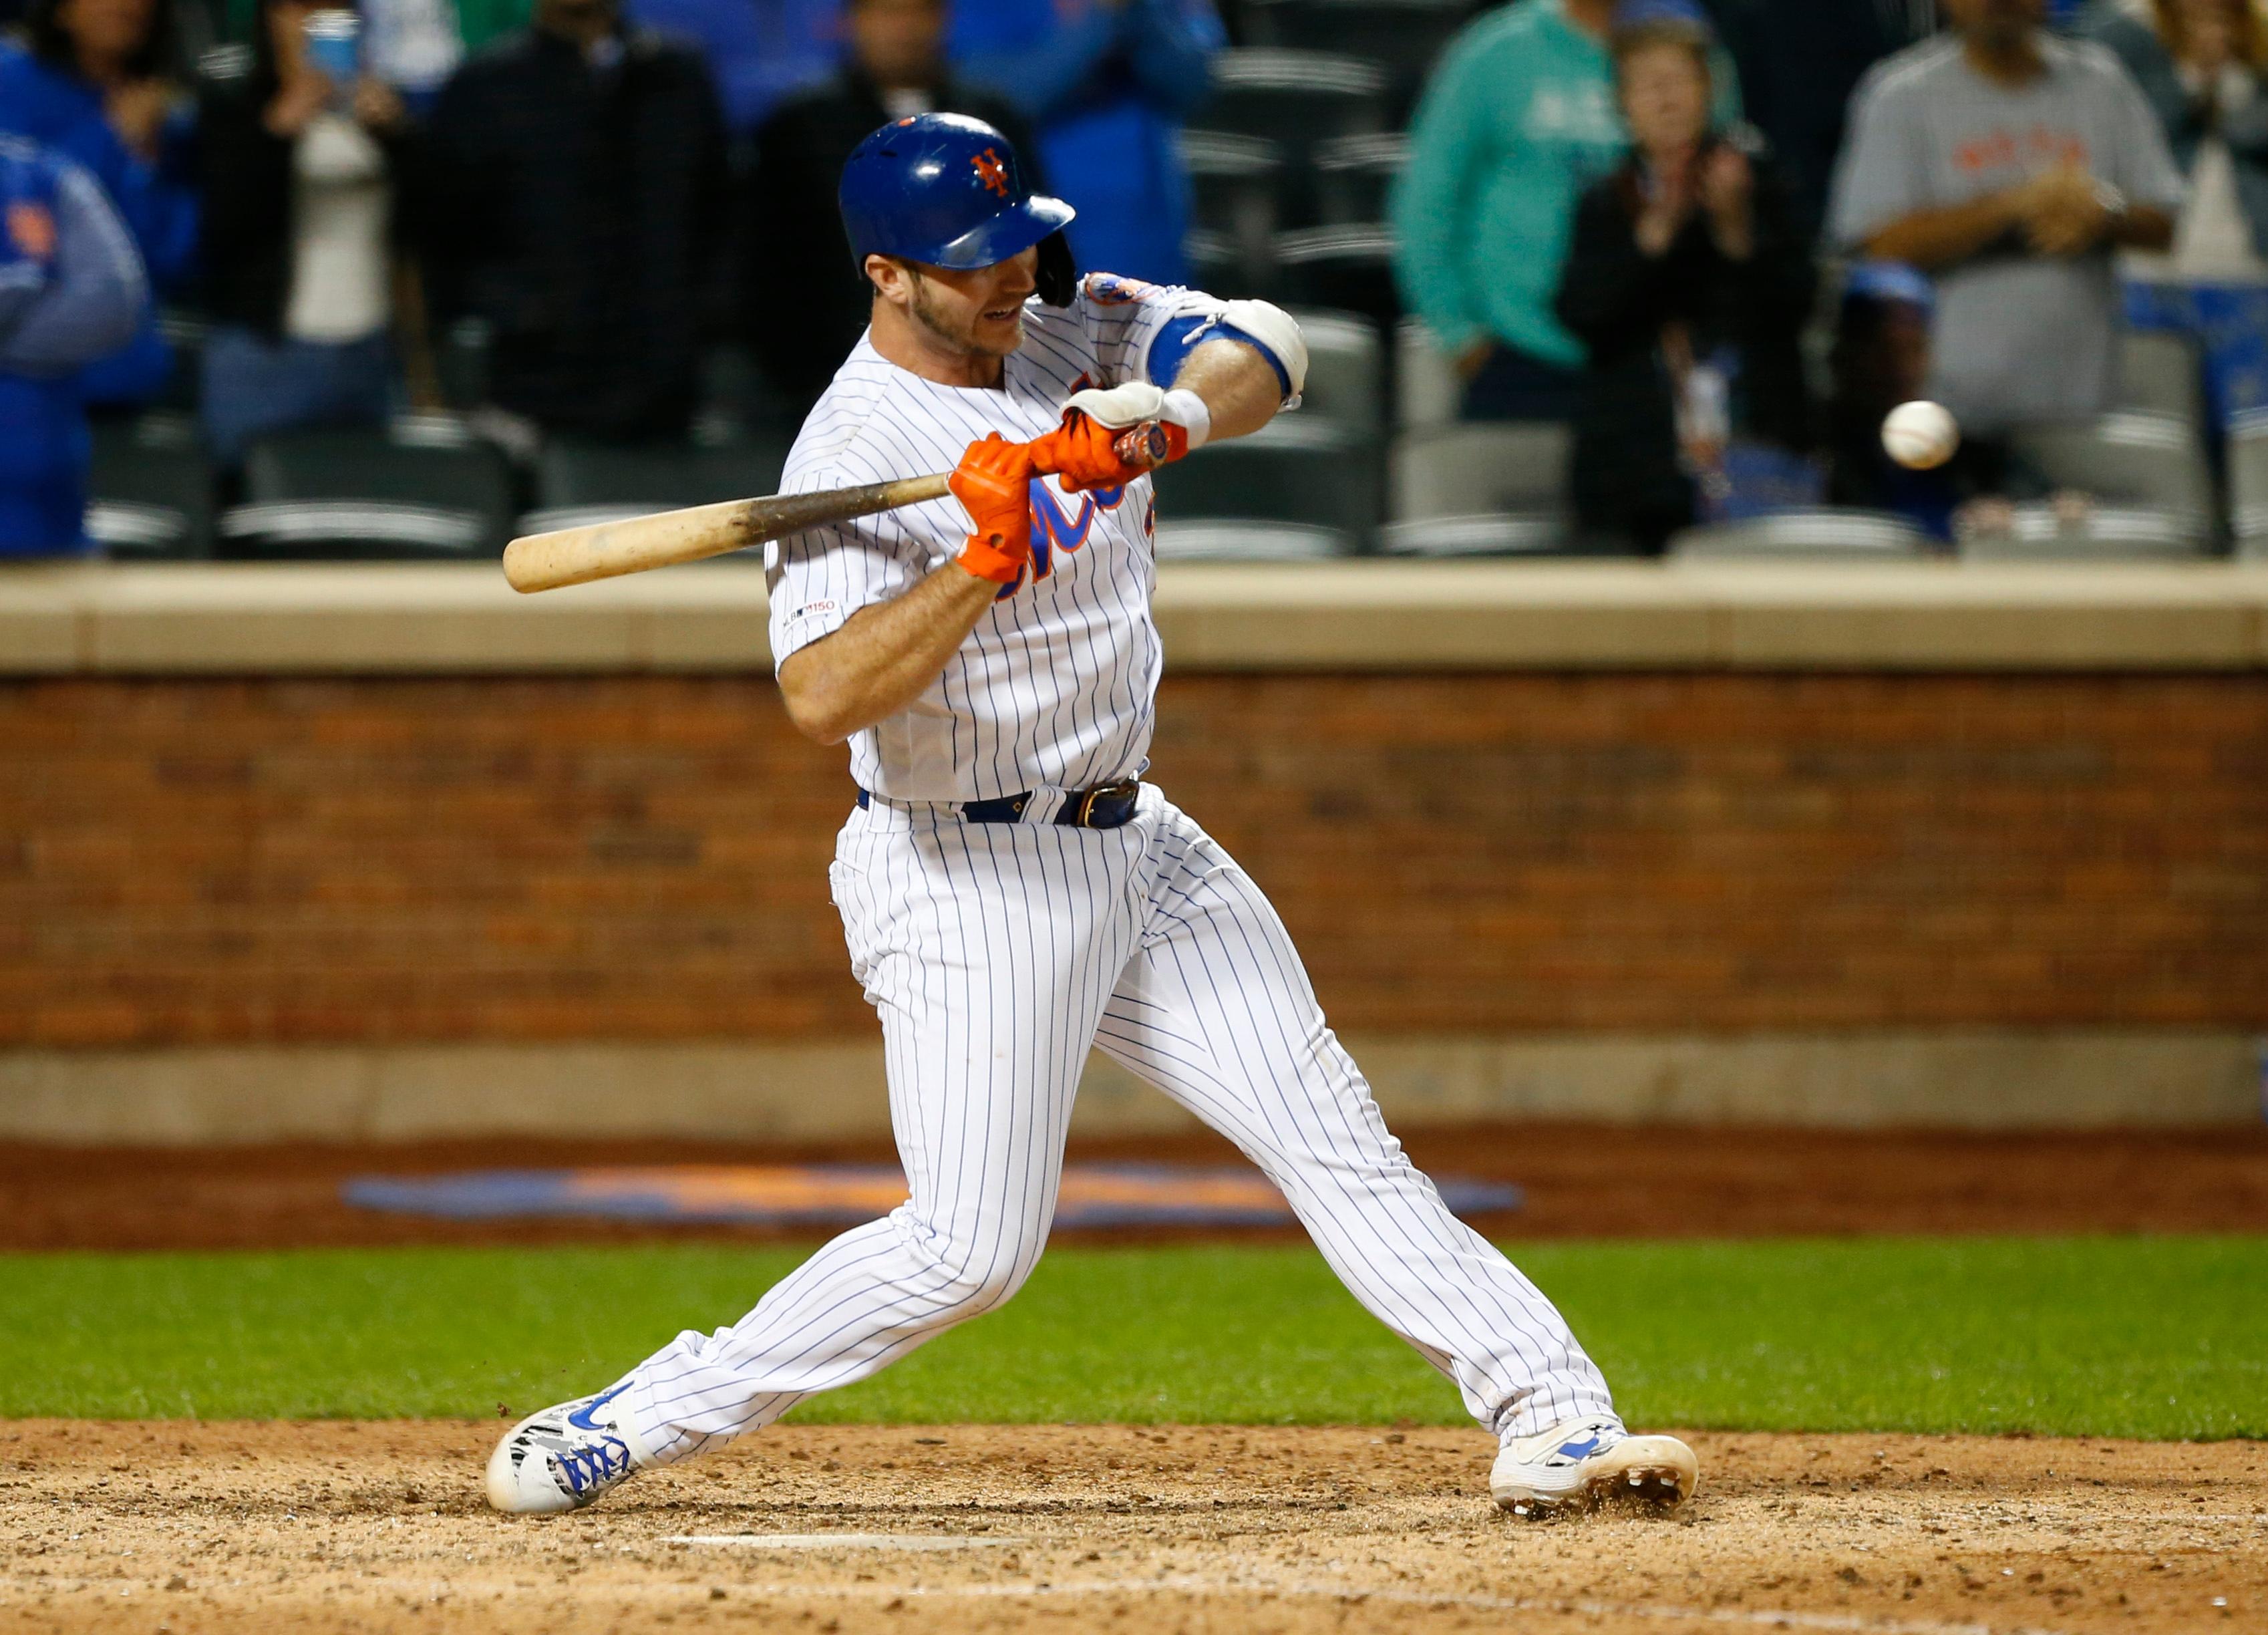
(991,171)
(33,229)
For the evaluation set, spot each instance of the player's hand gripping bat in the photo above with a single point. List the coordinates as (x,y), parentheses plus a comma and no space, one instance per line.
(602,550)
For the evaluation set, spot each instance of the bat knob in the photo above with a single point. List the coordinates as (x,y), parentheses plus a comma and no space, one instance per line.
(1144,445)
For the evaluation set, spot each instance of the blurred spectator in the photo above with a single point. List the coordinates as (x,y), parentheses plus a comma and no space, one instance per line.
(2201,64)
(1688,286)
(1800,61)
(575,202)
(411,45)
(1107,83)
(1517,120)
(1880,360)
(803,311)
(2009,164)
(91,84)
(299,209)
(760,51)
(71,289)
(482,23)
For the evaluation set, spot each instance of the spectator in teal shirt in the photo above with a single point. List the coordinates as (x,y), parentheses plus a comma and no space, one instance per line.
(1517,120)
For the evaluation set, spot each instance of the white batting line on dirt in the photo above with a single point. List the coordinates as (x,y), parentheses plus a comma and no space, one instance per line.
(841,1541)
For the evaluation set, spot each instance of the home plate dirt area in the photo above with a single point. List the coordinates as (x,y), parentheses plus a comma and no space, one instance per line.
(182,1527)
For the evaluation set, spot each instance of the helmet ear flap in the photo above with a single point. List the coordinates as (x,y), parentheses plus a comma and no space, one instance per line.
(1057,274)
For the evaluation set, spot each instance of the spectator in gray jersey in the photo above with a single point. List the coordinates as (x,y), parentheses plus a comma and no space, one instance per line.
(2009,165)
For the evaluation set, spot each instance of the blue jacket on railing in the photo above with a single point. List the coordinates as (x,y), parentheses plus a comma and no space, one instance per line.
(157,197)
(71,289)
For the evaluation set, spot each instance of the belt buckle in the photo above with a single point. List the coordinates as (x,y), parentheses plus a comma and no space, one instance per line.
(1123,787)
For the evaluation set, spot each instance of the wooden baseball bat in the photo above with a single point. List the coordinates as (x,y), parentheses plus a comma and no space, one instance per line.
(604,550)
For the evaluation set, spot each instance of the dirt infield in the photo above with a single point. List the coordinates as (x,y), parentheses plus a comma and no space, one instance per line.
(242,1528)
(1580,1180)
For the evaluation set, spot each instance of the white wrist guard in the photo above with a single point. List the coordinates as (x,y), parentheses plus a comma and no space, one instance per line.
(1137,401)
(1185,409)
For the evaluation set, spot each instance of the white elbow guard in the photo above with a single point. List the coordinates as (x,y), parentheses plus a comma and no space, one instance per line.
(1277,332)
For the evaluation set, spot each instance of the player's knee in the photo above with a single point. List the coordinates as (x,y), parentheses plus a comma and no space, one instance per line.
(976,1277)
(976,1290)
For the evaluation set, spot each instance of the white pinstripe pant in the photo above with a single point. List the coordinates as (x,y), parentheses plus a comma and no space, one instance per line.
(996,954)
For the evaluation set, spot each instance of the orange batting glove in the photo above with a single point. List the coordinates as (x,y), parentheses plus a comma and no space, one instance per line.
(994,480)
(1112,436)
(1088,455)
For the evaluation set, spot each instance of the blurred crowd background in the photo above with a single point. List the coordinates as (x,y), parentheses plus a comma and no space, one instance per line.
(1597,276)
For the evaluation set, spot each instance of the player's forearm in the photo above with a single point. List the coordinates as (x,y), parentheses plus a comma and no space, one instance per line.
(1240,386)
(1939,237)
(884,656)
(2141,227)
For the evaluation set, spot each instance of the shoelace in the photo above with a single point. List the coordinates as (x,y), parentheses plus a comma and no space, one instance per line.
(594,1462)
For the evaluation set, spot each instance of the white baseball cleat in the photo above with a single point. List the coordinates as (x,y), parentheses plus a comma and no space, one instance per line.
(1578,1464)
(564,1457)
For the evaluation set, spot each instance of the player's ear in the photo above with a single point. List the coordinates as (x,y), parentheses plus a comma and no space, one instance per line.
(890,279)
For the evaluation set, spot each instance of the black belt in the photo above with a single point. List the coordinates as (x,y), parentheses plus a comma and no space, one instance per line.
(1106,805)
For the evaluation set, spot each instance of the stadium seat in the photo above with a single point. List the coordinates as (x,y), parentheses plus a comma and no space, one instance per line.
(1825,535)
(1480,468)
(1221,266)
(1346,374)
(423,489)
(1404,37)
(460,362)
(1235,183)
(656,477)
(1350,266)
(1250,541)
(1354,175)
(579,483)
(2248,483)
(2144,460)
(2107,533)
(1493,535)
(185,333)
(1291,470)
(1292,98)
(2159,374)
(150,493)
(1427,390)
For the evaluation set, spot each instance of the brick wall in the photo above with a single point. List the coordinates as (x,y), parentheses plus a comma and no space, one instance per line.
(643,858)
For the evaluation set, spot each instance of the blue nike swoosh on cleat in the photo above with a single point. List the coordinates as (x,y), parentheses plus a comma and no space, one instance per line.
(1583,1449)
(581,1418)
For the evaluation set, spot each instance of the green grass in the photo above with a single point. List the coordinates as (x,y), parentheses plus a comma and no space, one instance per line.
(2149,1337)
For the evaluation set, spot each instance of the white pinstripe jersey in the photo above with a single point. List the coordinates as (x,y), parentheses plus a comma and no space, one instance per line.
(1055,687)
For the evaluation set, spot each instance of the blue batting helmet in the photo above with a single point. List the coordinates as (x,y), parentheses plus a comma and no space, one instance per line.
(944,189)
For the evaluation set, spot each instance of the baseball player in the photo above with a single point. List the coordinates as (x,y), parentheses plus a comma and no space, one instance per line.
(1012,891)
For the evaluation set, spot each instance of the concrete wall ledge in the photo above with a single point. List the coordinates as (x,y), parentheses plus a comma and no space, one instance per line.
(747,1091)
(380,619)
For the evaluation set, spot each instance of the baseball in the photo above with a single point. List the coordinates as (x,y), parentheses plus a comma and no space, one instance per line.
(1920,435)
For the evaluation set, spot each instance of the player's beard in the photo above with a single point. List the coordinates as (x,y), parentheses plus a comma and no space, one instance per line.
(963,339)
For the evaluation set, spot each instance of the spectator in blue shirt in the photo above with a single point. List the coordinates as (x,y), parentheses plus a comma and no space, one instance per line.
(759,51)
(1107,84)
(71,289)
(90,85)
